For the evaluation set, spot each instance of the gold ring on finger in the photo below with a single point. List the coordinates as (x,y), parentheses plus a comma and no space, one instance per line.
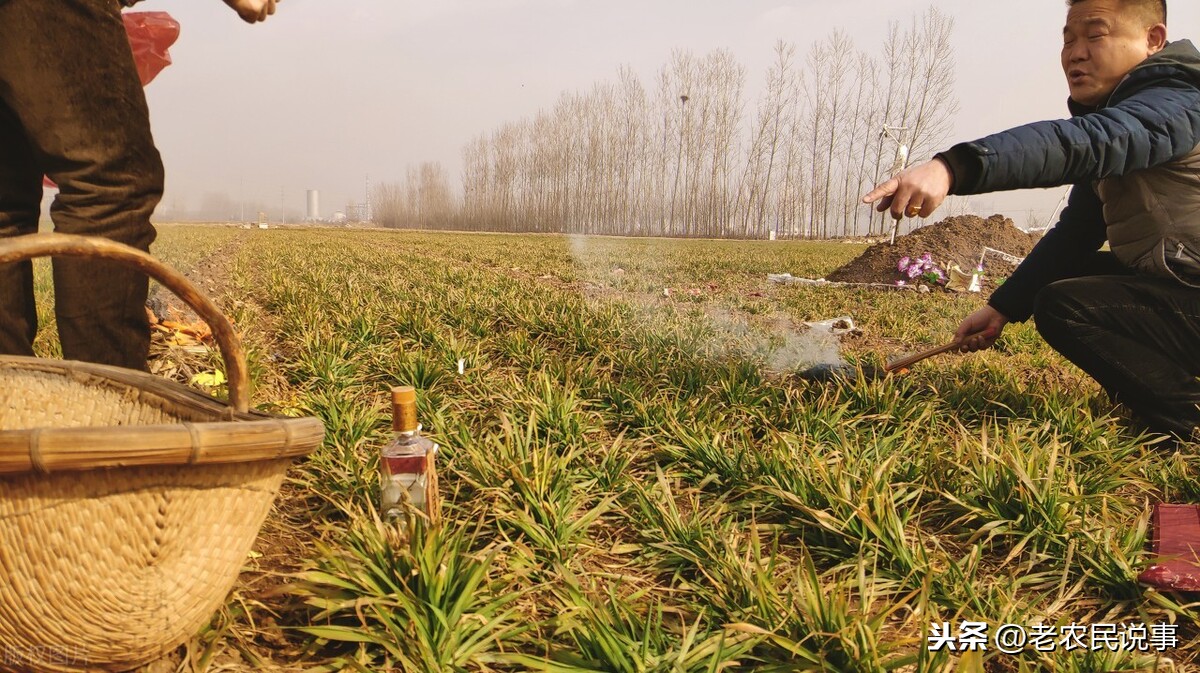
(913,211)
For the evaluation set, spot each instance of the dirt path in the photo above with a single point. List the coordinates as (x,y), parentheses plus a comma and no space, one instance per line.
(284,540)
(210,274)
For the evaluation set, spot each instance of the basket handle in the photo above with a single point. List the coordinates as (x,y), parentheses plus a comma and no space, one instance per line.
(21,248)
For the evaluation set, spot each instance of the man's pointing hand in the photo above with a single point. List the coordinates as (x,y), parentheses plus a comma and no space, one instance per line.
(917,191)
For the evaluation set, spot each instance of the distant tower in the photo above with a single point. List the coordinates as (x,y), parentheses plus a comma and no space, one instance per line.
(367,205)
(314,206)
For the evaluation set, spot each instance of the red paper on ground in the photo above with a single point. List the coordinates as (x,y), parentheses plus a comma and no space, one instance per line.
(150,35)
(1176,565)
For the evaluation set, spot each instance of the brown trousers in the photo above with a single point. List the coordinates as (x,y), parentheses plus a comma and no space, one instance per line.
(71,107)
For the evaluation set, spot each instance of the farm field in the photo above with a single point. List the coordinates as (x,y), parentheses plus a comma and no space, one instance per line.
(637,480)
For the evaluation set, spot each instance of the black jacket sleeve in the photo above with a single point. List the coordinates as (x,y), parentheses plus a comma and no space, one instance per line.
(1158,124)
(1060,254)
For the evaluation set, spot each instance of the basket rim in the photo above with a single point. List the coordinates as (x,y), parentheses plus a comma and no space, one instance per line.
(32,246)
(224,436)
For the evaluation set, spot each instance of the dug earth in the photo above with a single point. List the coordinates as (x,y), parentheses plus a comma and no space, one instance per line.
(955,240)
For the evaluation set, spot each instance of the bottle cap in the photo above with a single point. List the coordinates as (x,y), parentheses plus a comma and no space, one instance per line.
(404,409)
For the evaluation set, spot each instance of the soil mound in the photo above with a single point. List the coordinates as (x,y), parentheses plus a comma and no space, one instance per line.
(955,240)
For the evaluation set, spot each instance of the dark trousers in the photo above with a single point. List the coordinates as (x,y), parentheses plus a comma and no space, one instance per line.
(1138,337)
(71,107)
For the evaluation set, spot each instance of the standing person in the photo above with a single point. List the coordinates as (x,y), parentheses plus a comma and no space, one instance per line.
(1130,318)
(72,108)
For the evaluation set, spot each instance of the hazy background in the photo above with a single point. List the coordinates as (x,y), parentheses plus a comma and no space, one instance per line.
(328,92)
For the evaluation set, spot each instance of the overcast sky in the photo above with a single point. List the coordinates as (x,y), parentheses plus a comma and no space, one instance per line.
(327,92)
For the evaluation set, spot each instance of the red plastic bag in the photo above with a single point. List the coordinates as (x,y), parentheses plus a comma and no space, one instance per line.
(150,35)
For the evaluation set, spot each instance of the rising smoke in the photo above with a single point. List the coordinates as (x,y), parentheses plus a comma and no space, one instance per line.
(776,341)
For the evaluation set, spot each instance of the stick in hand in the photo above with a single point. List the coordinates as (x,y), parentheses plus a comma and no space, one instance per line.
(910,360)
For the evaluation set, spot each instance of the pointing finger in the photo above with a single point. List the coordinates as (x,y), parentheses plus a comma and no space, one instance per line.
(900,201)
(885,189)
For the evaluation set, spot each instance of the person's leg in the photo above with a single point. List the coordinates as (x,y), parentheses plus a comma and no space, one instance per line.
(20,209)
(1137,337)
(1103,263)
(67,71)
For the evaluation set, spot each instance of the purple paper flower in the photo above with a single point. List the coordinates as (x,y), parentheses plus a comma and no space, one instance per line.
(904,262)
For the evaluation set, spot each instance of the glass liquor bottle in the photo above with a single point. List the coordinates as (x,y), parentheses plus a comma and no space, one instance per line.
(404,461)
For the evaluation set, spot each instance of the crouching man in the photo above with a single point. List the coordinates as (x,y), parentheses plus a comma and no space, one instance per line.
(1130,318)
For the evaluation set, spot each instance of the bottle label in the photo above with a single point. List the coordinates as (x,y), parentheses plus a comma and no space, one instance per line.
(404,464)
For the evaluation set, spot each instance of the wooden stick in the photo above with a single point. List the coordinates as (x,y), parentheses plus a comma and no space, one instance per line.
(910,360)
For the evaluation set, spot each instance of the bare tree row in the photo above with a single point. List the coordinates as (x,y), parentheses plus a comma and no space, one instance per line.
(684,158)
(424,199)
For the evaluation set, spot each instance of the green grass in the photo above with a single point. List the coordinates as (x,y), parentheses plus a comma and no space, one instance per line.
(637,482)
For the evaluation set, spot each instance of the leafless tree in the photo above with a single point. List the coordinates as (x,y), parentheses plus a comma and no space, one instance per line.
(424,201)
(681,158)
(773,129)
(818,97)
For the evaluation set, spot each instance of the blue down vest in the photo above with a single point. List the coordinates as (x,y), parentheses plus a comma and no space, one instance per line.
(1153,219)
(1153,214)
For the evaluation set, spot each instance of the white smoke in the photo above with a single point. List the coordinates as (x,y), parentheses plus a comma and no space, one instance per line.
(780,344)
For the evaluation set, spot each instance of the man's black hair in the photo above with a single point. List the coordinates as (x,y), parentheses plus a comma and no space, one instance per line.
(1155,11)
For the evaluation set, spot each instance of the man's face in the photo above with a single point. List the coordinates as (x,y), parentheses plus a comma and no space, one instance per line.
(1102,42)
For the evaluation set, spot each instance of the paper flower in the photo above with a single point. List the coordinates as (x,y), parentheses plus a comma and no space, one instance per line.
(922,267)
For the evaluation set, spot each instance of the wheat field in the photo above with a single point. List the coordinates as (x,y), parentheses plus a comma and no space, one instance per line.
(634,477)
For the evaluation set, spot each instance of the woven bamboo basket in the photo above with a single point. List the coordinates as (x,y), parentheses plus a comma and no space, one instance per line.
(128,503)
